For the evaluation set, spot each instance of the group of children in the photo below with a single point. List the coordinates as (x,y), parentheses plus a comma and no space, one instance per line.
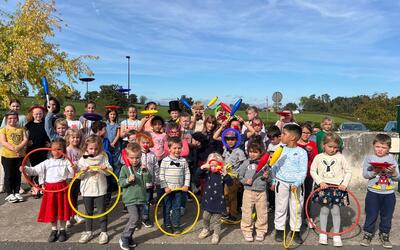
(217,157)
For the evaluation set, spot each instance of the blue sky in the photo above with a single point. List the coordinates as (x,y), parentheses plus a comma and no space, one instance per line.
(235,49)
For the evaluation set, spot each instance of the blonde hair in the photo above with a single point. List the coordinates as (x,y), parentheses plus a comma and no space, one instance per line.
(198,105)
(61,121)
(215,156)
(133,147)
(71,132)
(331,137)
(92,139)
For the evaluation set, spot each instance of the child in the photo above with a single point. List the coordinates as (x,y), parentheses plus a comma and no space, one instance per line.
(13,140)
(174,112)
(132,180)
(274,136)
(94,185)
(380,198)
(252,114)
(90,107)
(60,124)
(213,201)
(150,163)
(132,123)
(186,126)
(258,135)
(54,207)
(159,138)
(286,119)
(15,105)
(198,116)
(254,195)
(174,130)
(288,175)
(113,133)
(209,127)
(330,168)
(145,123)
(174,173)
(326,126)
(69,112)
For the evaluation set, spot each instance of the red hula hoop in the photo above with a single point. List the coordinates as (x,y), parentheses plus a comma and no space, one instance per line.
(353,226)
(23,164)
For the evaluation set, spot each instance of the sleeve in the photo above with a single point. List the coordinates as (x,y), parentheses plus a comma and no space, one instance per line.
(3,123)
(314,150)
(123,177)
(36,170)
(368,171)
(106,163)
(163,182)
(314,170)
(228,180)
(187,174)
(303,163)
(156,167)
(347,171)
(242,172)
(48,126)
(395,177)
(241,157)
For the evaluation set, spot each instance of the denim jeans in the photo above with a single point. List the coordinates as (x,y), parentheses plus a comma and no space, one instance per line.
(172,202)
(149,198)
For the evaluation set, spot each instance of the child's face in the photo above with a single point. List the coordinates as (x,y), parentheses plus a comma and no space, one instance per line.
(198,112)
(185,122)
(132,138)
(157,126)
(37,115)
(144,144)
(381,149)
(275,140)
(257,125)
(174,114)
(61,129)
(331,148)
(102,132)
(132,113)
(327,125)
(209,126)
(12,120)
(287,137)
(112,116)
(69,113)
(152,107)
(251,114)
(305,134)
(15,106)
(58,147)
(231,140)
(175,150)
(254,154)
(235,125)
(52,104)
(134,157)
(90,108)
(174,133)
(92,149)
(74,140)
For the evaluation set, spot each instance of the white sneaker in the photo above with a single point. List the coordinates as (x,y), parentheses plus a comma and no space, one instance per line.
(68,224)
(103,238)
(79,219)
(204,233)
(85,237)
(11,198)
(215,239)
(323,239)
(337,241)
(19,197)
(21,190)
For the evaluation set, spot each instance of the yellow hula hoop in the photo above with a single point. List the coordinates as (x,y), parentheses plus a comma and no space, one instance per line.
(295,224)
(97,215)
(191,226)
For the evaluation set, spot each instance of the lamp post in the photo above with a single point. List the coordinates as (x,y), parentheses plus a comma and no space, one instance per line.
(129,76)
(87,80)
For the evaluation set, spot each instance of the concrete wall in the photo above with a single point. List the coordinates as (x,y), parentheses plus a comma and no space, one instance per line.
(356,146)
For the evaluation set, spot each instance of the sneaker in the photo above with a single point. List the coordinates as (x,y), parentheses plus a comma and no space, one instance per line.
(232,218)
(79,219)
(384,238)
(131,242)
(124,243)
(260,237)
(19,197)
(53,236)
(215,239)
(103,238)
(168,229)
(68,224)
(297,238)
(310,223)
(62,236)
(366,241)
(323,239)
(11,198)
(279,236)
(248,238)
(337,241)
(204,233)
(21,190)
(177,230)
(85,237)
(147,223)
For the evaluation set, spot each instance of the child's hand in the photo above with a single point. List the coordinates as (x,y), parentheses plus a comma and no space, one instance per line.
(377,171)
(224,172)
(266,174)
(323,185)
(103,167)
(390,170)
(167,190)
(205,166)
(342,187)
(272,188)
(21,169)
(249,182)
(185,188)
(84,169)
(50,108)
(131,178)
(293,188)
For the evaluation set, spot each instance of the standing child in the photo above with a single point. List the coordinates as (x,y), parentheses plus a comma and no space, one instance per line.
(326,126)
(185,123)
(132,123)
(274,135)
(69,113)
(213,200)
(254,195)
(380,198)
(132,180)
(174,112)
(94,185)
(60,124)
(198,116)
(174,173)
(113,135)
(159,138)
(285,119)
(90,107)
(145,123)
(288,176)
(331,168)
(54,207)
(13,140)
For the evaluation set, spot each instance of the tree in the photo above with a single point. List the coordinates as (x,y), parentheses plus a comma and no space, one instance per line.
(142,99)
(74,96)
(132,98)
(108,93)
(92,96)
(26,53)
(291,106)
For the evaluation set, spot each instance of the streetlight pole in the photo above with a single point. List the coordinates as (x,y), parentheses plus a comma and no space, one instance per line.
(129,76)
(87,80)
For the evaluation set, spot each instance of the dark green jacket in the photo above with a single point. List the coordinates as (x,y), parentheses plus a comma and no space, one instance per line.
(133,193)
(320,136)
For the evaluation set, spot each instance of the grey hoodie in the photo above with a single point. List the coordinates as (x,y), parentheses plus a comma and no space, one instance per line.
(247,171)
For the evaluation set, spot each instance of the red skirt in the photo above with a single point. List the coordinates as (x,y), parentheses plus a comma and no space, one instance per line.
(55,206)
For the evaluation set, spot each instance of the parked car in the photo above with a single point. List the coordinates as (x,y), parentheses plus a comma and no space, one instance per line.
(352,126)
(391,126)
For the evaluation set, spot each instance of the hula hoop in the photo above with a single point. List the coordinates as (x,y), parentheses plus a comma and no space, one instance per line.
(353,226)
(97,215)
(239,138)
(29,180)
(191,226)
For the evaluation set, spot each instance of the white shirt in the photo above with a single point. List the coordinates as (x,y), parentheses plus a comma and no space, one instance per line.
(51,170)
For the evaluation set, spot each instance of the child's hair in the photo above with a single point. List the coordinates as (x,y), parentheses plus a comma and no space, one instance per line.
(308,126)
(252,108)
(215,156)
(72,106)
(258,119)
(198,105)
(293,129)
(145,135)
(92,139)
(131,132)
(212,119)
(327,118)
(383,139)
(29,116)
(255,146)
(173,125)
(60,121)
(273,132)
(61,142)
(58,105)
(331,137)
(133,147)
(71,132)
(157,118)
(10,112)
(108,113)
(147,106)
(98,125)
(15,100)
(174,140)
(184,114)
(90,102)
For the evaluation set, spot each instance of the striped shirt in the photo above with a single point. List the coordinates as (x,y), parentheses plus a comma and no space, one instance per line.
(174,173)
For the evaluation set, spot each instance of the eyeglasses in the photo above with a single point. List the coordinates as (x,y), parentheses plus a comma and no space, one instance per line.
(230,138)
(257,124)
(306,133)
